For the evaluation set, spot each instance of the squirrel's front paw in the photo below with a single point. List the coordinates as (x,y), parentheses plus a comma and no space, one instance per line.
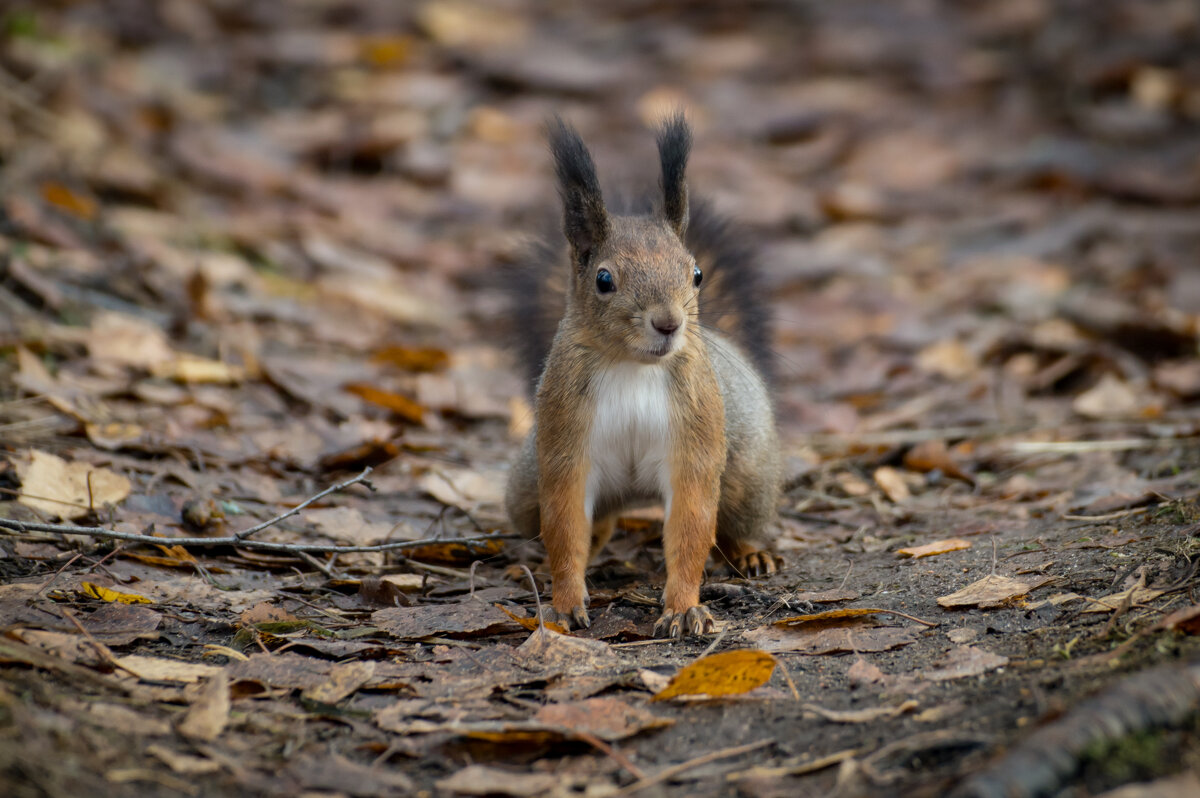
(695,620)
(575,618)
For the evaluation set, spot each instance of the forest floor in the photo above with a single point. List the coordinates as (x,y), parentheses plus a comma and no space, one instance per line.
(250,249)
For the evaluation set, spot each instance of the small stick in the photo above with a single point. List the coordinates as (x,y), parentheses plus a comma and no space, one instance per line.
(245,533)
(612,753)
(788,678)
(232,540)
(683,767)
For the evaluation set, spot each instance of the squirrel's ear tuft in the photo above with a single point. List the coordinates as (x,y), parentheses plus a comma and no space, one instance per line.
(674,146)
(585,220)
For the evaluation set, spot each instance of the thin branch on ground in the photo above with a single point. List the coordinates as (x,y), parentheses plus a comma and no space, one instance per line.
(233,540)
(245,533)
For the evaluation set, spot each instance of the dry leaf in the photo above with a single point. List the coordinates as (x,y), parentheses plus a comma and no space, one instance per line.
(51,485)
(128,341)
(443,620)
(855,636)
(830,596)
(606,718)
(1138,594)
(892,483)
(92,590)
(829,617)
(937,547)
(934,456)
(950,359)
(184,764)
(991,591)
(1109,398)
(158,669)
(344,679)
(484,780)
(401,405)
(70,201)
(964,661)
(531,622)
(726,673)
(194,370)
(207,717)
(408,359)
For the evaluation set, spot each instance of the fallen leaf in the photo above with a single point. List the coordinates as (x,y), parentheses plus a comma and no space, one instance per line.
(208,715)
(991,591)
(550,649)
(347,524)
(964,661)
(862,673)
(464,488)
(51,485)
(937,547)
(337,775)
(128,341)
(854,637)
(265,612)
(935,456)
(605,718)
(531,622)
(828,617)
(119,624)
(195,370)
(827,596)
(1186,620)
(159,669)
(864,715)
(484,780)
(443,620)
(1138,594)
(70,201)
(344,679)
(400,405)
(949,359)
(409,359)
(1109,398)
(92,590)
(726,673)
(892,483)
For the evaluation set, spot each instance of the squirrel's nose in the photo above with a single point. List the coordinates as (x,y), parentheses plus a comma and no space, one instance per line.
(665,324)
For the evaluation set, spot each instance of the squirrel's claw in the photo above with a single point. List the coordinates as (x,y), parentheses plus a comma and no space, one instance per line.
(695,620)
(756,563)
(576,618)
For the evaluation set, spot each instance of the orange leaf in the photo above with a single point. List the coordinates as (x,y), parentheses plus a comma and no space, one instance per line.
(829,617)
(937,547)
(67,200)
(413,359)
(93,590)
(727,673)
(532,623)
(402,406)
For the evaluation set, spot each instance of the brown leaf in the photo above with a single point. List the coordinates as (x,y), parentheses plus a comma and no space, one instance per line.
(828,617)
(1109,398)
(854,637)
(70,201)
(1186,620)
(160,669)
(208,715)
(935,548)
(468,619)
(409,359)
(549,649)
(484,780)
(991,591)
(333,773)
(265,612)
(120,624)
(605,718)
(935,456)
(344,680)
(964,661)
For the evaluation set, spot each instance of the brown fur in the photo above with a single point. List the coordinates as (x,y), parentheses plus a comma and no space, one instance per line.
(722,454)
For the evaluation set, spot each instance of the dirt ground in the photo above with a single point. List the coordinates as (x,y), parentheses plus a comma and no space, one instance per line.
(250,249)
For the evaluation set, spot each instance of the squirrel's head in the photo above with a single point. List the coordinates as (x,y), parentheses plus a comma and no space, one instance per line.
(634,286)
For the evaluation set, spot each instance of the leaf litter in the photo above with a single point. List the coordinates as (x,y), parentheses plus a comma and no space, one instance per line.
(247,255)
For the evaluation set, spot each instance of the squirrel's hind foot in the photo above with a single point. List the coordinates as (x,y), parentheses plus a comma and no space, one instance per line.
(746,561)
(695,620)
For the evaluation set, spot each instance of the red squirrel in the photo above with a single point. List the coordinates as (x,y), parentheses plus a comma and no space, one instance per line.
(652,390)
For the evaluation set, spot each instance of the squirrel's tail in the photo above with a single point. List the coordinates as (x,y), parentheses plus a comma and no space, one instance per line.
(732,299)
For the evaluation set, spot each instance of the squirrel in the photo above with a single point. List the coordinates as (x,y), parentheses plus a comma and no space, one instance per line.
(653,387)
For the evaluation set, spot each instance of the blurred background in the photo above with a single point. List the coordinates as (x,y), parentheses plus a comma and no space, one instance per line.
(969,213)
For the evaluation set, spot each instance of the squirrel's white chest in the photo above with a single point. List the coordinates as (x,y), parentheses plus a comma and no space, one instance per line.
(629,442)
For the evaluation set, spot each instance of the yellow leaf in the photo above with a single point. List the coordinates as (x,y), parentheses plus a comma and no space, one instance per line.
(937,547)
(92,590)
(727,673)
(401,405)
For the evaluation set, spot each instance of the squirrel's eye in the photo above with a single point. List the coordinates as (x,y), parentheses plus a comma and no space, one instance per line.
(604,282)
(697,276)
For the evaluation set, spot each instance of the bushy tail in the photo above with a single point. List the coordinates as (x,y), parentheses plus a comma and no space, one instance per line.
(732,298)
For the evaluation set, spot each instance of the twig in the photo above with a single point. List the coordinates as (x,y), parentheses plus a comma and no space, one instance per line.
(245,533)
(1100,519)
(798,769)
(788,678)
(232,540)
(612,753)
(683,767)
